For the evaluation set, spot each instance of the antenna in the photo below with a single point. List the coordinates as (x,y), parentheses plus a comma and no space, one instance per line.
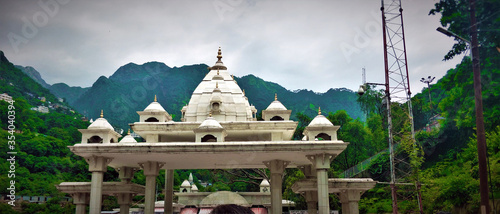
(363,74)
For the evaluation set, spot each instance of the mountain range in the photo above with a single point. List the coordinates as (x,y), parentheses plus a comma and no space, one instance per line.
(132,87)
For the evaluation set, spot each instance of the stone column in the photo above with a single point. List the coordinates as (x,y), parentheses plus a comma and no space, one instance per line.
(98,166)
(80,200)
(126,174)
(310,196)
(277,167)
(150,169)
(124,200)
(350,200)
(322,164)
(169,191)
(312,201)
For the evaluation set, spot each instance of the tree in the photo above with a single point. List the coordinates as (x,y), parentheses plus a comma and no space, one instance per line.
(358,136)
(455,17)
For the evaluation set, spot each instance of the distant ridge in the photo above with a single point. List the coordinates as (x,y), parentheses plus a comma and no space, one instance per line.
(132,87)
(34,74)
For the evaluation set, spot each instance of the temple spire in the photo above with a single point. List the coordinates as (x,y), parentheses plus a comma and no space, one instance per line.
(155,98)
(219,55)
(319,110)
(219,65)
(102,115)
(275,96)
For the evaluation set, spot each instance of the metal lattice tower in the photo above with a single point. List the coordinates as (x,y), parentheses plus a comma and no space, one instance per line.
(402,145)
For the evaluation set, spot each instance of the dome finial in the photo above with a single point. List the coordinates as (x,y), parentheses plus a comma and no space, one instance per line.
(128,132)
(275,96)
(243,92)
(219,55)
(210,114)
(102,115)
(319,110)
(216,84)
(155,98)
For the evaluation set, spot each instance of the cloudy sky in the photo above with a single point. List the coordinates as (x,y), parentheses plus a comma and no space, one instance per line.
(314,45)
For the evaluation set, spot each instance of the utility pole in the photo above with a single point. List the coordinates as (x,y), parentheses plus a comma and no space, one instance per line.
(481,138)
(480,133)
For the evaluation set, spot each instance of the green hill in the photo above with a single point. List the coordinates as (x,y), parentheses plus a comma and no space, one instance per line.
(18,84)
(132,87)
(69,93)
(41,139)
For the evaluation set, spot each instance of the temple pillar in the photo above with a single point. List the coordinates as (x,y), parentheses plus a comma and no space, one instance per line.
(322,164)
(151,170)
(98,166)
(312,201)
(277,167)
(310,196)
(124,200)
(126,174)
(169,191)
(350,201)
(80,200)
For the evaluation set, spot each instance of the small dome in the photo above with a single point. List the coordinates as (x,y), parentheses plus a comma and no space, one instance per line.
(210,122)
(320,121)
(186,184)
(155,106)
(216,89)
(218,76)
(194,188)
(223,197)
(264,183)
(128,139)
(101,123)
(276,105)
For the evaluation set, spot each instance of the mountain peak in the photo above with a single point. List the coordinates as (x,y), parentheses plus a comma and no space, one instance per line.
(132,71)
(3,59)
(34,74)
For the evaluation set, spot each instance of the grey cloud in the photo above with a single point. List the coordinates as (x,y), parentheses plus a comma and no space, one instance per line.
(297,44)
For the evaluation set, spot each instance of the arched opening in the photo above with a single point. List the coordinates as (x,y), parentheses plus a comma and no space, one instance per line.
(112,140)
(184,190)
(276,118)
(94,139)
(152,119)
(209,138)
(215,106)
(323,136)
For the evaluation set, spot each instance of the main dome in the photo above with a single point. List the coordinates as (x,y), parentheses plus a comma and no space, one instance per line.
(220,95)
(223,197)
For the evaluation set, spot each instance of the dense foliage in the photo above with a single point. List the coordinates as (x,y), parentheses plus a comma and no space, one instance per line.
(450,171)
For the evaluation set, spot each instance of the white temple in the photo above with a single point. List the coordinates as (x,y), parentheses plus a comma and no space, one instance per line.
(218,130)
